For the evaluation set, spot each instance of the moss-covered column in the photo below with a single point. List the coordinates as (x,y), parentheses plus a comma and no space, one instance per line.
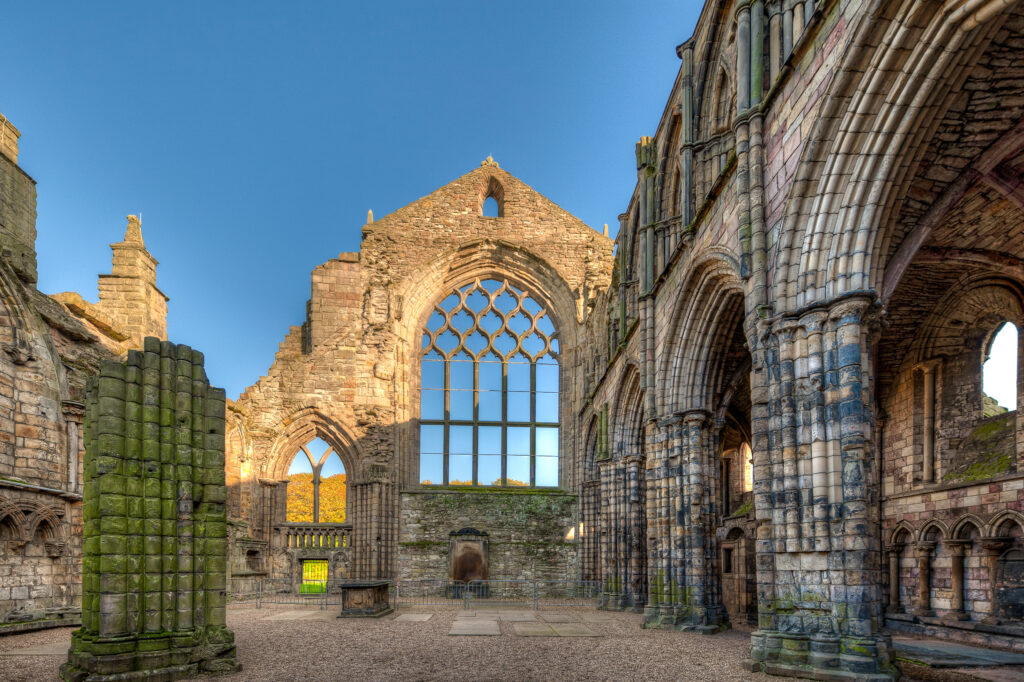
(154,570)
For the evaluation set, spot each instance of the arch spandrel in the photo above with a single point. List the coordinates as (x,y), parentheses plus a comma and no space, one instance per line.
(304,425)
(872,132)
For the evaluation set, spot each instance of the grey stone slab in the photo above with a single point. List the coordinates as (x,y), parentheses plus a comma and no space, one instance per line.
(533,630)
(557,618)
(573,630)
(942,654)
(52,649)
(296,615)
(475,627)
(1008,674)
(414,617)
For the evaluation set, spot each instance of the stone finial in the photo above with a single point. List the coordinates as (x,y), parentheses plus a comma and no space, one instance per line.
(133,233)
(489,161)
(606,229)
(369,217)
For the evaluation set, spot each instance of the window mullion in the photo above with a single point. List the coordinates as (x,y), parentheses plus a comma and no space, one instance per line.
(476,423)
(447,416)
(533,423)
(504,422)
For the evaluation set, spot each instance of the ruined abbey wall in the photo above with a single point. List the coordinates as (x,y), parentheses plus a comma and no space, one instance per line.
(350,376)
(49,350)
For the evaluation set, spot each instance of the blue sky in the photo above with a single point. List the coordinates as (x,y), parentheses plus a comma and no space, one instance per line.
(254,136)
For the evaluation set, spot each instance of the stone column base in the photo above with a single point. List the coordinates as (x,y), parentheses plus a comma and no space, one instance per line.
(159,657)
(821,657)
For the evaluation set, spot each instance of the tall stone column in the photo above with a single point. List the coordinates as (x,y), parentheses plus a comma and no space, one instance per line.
(957,549)
(155,534)
(895,552)
(924,578)
(820,603)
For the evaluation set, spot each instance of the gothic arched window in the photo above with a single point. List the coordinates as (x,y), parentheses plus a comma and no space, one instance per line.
(489,390)
(316,485)
(999,370)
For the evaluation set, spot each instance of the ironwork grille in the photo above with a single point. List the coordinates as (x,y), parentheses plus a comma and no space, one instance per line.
(489,380)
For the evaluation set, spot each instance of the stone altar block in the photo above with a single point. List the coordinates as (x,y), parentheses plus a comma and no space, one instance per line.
(364,599)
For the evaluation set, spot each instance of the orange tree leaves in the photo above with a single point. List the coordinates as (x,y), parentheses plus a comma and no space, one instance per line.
(332,498)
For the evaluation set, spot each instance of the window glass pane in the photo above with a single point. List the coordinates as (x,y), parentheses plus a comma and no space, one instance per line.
(547,441)
(518,376)
(547,471)
(461,405)
(519,407)
(461,374)
(518,440)
(432,469)
(460,440)
(547,376)
(547,407)
(490,405)
(432,405)
(489,440)
(433,374)
(490,376)
(431,438)
(460,470)
(518,471)
(488,470)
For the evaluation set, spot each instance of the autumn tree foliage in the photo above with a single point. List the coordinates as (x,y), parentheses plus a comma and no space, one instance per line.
(332,498)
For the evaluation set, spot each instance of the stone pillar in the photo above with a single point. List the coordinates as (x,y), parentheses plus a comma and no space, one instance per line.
(924,578)
(155,534)
(957,549)
(928,468)
(743,56)
(895,553)
(993,548)
(686,140)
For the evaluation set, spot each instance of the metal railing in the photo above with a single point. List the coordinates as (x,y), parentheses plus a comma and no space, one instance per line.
(314,535)
(531,594)
(437,594)
(282,591)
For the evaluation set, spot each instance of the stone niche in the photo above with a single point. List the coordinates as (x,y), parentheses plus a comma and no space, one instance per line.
(1010,585)
(467,552)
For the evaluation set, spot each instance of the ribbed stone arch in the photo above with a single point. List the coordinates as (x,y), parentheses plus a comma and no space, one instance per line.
(303,426)
(710,306)
(628,420)
(480,259)
(877,112)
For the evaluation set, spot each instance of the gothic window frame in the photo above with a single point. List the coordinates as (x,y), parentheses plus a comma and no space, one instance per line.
(442,322)
(317,467)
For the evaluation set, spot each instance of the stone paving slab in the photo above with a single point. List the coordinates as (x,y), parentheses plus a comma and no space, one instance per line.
(533,630)
(54,649)
(414,617)
(941,654)
(1009,674)
(475,627)
(573,630)
(557,618)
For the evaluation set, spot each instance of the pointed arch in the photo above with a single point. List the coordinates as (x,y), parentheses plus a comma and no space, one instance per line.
(302,426)
(833,233)
(710,307)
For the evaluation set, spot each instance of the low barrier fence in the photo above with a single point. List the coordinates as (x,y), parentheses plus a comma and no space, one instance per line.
(438,594)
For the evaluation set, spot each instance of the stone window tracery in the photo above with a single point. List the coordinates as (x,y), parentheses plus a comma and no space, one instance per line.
(489,390)
(316,485)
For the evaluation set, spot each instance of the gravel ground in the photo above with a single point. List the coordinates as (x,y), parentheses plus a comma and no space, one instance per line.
(272,647)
